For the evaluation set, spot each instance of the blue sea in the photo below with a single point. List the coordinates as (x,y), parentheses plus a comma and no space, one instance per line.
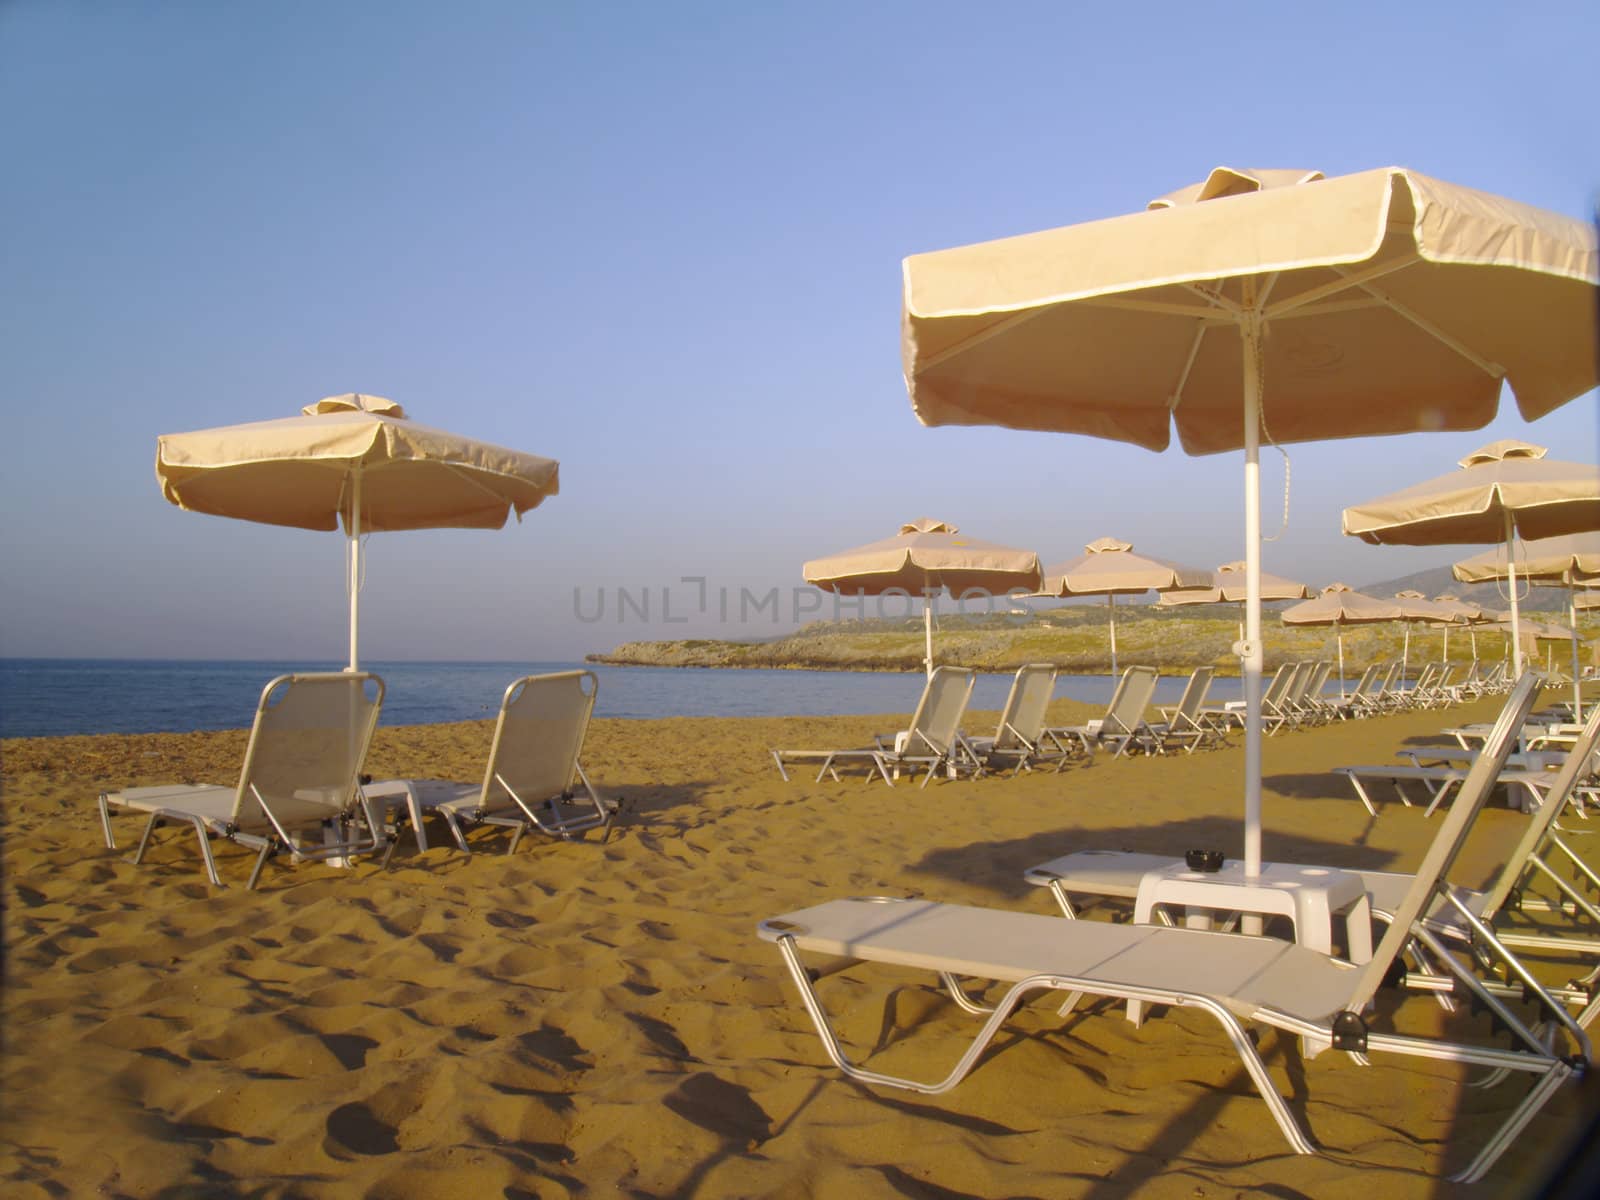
(51,697)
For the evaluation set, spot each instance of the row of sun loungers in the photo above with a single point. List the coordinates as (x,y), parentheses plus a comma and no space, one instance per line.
(301,792)
(934,743)
(1241,981)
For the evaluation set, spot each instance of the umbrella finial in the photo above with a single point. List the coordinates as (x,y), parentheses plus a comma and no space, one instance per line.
(928,525)
(1230,181)
(1503,449)
(355,402)
(1108,545)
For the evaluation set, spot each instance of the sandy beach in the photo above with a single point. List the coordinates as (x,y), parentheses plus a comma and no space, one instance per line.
(583,1019)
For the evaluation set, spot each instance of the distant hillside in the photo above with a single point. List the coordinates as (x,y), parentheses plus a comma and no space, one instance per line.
(1439,582)
(1074,638)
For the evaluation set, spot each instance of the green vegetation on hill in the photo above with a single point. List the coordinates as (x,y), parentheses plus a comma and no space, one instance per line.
(1074,638)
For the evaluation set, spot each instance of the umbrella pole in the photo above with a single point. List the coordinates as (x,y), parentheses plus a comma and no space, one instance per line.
(1511,578)
(1572,625)
(1339,634)
(354,538)
(927,634)
(1250,647)
(1111,615)
(1405,653)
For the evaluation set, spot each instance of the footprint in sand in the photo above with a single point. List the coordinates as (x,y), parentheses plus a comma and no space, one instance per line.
(354,1129)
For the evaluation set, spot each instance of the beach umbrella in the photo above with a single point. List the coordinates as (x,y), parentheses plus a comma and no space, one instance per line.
(1340,606)
(1395,303)
(1463,613)
(354,460)
(924,558)
(1573,561)
(1228,587)
(1501,491)
(1110,568)
(1417,609)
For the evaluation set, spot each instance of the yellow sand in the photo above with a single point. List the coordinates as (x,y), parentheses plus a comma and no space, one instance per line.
(599,1020)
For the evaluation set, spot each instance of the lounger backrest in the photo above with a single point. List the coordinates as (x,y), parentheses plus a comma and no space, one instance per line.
(1194,693)
(1432,874)
(538,737)
(1368,677)
(1132,697)
(1578,764)
(1281,678)
(1319,681)
(307,743)
(944,699)
(1022,720)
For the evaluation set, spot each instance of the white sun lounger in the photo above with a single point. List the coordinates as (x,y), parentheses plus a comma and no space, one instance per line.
(1021,739)
(299,780)
(933,740)
(533,779)
(1123,725)
(1186,725)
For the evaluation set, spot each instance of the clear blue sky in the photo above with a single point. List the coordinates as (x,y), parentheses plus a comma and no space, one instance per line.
(661,243)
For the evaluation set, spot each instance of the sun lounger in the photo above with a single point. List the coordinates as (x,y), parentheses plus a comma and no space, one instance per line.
(1238,980)
(1353,704)
(1021,739)
(533,779)
(1123,725)
(1186,725)
(932,742)
(1273,716)
(298,786)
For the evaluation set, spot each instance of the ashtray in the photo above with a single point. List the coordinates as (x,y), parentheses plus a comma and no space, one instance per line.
(1204,860)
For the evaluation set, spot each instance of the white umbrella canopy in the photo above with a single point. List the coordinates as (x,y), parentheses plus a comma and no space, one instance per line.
(1502,490)
(1110,568)
(1396,303)
(1572,561)
(1339,606)
(1228,587)
(923,559)
(354,460)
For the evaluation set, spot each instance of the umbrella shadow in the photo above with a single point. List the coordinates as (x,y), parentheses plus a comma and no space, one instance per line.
(998,865)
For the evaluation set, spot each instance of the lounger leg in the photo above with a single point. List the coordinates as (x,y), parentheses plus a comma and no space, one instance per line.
(1361,792)
(455,830)
(267,849)
(105,822)
(777,757)
(516,836)
(144,841)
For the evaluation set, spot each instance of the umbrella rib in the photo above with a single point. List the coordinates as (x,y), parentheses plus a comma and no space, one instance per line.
(1188,365)
(1347,280)
(1492,369)
(1011,322)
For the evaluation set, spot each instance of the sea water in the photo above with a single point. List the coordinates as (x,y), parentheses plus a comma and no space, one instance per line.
(50,697)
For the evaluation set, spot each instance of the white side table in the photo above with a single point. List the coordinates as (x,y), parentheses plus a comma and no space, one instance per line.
(390,793)
(1311,897)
